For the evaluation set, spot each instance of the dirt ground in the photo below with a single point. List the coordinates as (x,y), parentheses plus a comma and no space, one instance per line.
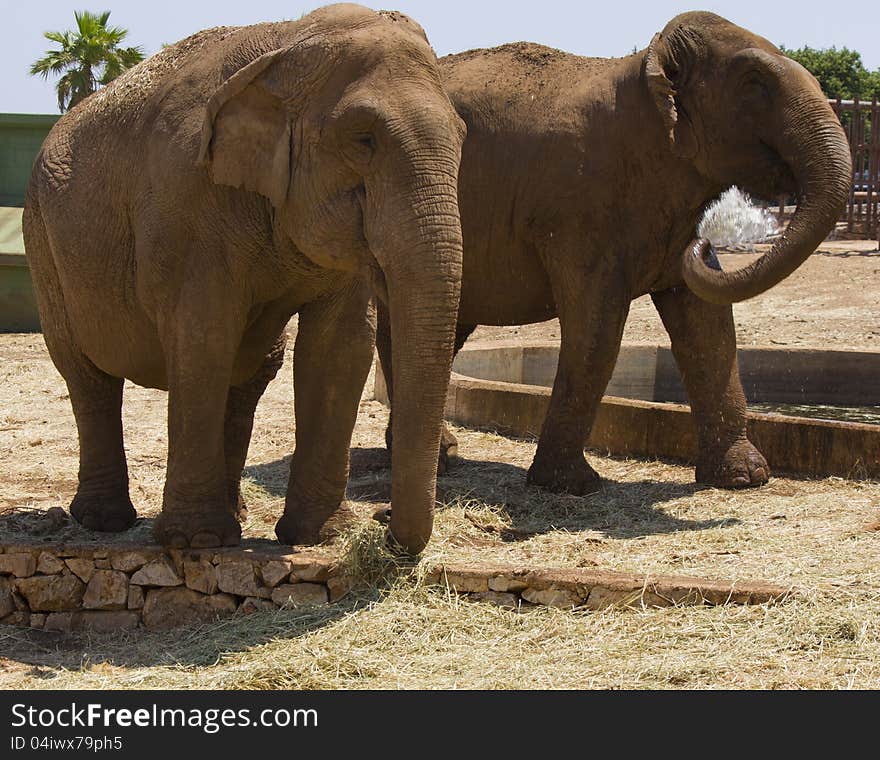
(829,302)
(821,537)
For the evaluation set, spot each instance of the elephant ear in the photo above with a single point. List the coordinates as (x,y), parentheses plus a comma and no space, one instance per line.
(662,67)
(247,132)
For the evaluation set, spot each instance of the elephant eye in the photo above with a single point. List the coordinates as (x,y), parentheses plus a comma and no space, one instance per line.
(751,78)
(366,141)
(358,149)
(755,88)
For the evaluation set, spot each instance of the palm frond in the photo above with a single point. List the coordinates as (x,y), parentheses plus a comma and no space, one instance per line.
(63,90)
(91,48)
(52,63)
(131,56)
(62,38)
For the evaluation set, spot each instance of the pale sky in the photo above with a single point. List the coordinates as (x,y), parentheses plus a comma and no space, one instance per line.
(605,28)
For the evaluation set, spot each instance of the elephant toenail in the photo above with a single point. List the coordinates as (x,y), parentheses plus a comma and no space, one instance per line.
(204,540)
(176,541)
(91,522)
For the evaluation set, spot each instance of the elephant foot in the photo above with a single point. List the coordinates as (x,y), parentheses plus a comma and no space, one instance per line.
(238,505)
(107,514)
(205,529)
(448,449)
(240,510)
(296,529)
(383,517)
(741,466)
(576,478)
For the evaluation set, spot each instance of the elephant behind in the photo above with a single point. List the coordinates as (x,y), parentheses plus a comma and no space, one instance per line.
(178,218)
(581,184)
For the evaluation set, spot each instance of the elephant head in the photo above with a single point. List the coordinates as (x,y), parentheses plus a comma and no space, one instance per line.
(744,114)
(348,133)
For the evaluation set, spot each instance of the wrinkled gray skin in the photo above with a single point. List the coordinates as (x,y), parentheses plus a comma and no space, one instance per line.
(177,219)
(581,183)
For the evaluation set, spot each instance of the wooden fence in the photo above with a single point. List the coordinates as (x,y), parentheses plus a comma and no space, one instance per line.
(861,122)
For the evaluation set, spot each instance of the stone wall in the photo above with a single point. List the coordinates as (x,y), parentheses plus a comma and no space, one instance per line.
(122,587)
(71,587)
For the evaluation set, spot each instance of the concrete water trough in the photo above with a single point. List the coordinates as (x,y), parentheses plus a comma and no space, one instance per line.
(506,387)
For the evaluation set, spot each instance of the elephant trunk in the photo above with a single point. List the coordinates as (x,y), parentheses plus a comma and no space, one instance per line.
(420,255)
(814,147)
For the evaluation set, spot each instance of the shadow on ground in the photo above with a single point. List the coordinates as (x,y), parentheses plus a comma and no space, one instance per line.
(35,525)
(621,509)
(848,254)
(629,509)
(201,646)
(625,510)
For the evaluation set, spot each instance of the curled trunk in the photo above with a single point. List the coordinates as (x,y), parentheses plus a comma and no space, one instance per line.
(814,147)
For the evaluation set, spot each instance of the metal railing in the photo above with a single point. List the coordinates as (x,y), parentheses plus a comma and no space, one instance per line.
(861,122)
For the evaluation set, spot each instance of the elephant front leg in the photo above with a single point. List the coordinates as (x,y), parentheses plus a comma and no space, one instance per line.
(448,442)
(592,312)
(331,361)
(239,424)
(199,352)
(704,345)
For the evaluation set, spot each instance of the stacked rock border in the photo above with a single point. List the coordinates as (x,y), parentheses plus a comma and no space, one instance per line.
(86,587)
(598,589)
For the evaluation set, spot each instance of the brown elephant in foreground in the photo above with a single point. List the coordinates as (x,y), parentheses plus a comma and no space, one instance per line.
(582,181)
(177,219)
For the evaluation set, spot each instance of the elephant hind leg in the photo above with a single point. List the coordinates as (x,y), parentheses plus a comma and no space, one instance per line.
(448,442)
(240,407)
(102,501)
(593,304)
(703,339)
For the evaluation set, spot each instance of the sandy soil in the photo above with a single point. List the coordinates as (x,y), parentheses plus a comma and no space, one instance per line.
(817,535)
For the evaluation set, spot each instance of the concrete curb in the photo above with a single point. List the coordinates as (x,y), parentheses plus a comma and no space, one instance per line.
(504,388)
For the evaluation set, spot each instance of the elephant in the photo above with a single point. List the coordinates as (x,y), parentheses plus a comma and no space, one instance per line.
(581,184)
(177,219)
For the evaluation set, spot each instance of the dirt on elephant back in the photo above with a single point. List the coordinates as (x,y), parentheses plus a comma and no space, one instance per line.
(818,537)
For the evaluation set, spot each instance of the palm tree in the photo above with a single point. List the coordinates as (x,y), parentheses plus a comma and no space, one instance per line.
(89,57)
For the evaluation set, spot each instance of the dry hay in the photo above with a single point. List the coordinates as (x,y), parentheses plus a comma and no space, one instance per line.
(408,636)
(394,632)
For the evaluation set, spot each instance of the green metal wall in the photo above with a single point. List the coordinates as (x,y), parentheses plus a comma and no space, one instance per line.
(18,305)
(21,136)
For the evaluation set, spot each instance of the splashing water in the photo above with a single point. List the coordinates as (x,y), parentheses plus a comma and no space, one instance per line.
(735,221)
